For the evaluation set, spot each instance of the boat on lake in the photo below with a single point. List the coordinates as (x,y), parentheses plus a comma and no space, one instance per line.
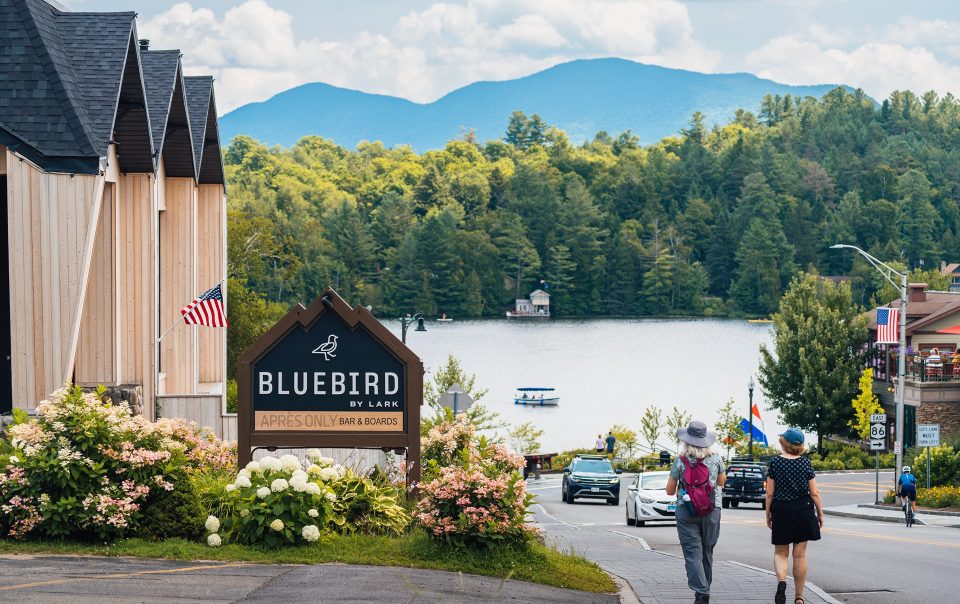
(443,318)
(536,397)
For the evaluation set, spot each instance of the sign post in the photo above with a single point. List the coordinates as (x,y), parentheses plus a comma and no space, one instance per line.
(457,399)
(878,442)
(928,435)
(330,376)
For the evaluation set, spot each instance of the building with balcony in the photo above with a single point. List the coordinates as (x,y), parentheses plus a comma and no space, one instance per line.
(932,382)
(113,202)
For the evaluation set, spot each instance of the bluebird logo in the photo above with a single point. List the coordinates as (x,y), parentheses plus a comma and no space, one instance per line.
(327,348)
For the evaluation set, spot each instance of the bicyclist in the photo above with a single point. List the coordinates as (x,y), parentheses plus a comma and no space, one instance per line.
(907,488)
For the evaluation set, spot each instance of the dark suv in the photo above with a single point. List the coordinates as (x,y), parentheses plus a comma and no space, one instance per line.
(591,476)
(746,482)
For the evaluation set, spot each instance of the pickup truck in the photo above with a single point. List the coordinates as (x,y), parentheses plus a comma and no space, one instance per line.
(746,482)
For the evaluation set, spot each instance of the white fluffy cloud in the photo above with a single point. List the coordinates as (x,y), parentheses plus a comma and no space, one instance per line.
(910,54)
(253,53)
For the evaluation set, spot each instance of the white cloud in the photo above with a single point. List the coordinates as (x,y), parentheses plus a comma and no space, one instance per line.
(253,53)
(908,54)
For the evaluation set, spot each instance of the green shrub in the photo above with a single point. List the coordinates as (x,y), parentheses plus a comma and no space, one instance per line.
(563,460)
(944,466)
(231,396)
(362,506)
(829,464)
(177,513)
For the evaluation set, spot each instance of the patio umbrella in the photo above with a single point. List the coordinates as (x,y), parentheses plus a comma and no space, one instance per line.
(954,330)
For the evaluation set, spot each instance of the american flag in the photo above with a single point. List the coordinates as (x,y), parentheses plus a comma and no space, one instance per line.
(206,310)
(887,325)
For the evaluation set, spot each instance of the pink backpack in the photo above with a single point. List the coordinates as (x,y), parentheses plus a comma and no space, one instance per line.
(696,484)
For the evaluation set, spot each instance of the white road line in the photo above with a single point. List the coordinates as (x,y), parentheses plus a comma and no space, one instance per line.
(544,511)
(643,542)
(808,585)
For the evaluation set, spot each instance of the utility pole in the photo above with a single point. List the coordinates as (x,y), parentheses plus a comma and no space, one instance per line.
(750,386)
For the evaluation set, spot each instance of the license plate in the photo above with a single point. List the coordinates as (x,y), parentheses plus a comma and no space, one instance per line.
(672,508)
(594,489)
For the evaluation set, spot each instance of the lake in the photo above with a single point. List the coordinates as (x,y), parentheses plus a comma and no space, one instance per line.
(607,371)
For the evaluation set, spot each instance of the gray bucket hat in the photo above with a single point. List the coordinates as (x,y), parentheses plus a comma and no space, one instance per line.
(696,434)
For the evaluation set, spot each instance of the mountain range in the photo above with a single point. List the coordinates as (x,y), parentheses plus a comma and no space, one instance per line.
(581,97)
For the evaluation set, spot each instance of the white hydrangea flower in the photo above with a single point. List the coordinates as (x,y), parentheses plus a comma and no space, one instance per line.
(277,525)
(231,488)
(270,463)
(212,524)
(244,513)
(331,496)
(313,469)
(253,467)
(312,513)
(327,461)
(279,485)
(243,482)
(340,470)
(327,474)
(243,472)
(262,492)
(290,463)
(214,540)
(310,532)
(314,454)
(313,488)
(299,484)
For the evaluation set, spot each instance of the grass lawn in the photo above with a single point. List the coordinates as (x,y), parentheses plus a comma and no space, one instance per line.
(537,563)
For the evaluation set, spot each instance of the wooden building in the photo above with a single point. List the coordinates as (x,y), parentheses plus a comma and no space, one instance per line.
(114,205)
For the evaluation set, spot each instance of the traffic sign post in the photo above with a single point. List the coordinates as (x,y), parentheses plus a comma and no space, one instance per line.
(878,442)
(928,435)
(457,399)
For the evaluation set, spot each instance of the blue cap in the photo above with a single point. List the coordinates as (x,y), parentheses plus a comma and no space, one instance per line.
(793,436)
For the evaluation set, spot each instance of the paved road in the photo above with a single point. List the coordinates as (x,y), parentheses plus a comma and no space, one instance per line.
(857,561)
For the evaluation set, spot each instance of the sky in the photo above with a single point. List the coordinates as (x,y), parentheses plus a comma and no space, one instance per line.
(423,49)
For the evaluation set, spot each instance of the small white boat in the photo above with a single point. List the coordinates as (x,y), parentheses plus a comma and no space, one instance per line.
(536,397)
(444,318)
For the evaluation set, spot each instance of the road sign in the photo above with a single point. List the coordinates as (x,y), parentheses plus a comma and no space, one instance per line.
(878,431)
(878,445)
(456,398)
(928,435)
(878,418)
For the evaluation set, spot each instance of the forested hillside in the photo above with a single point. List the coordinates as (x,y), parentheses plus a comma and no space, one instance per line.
(709,222)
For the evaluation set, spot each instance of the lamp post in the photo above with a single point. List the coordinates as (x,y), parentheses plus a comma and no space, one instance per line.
(405,322)
(889,274)
(750,386)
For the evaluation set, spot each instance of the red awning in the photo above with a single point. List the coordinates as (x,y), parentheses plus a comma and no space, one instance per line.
(954,330)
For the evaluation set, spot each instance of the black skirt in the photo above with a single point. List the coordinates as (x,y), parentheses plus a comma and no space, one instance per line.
(794,521)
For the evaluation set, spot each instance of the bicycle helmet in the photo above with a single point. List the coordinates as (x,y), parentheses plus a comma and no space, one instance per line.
(906,469)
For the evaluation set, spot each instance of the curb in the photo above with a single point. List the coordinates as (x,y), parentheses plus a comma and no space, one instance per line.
(897,520)
(919,511)
(624,590)
(808,585)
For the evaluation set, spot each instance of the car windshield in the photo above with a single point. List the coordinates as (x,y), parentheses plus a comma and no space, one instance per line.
(593,465)
(654,483)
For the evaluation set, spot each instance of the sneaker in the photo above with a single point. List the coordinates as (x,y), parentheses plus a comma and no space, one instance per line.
(702,599)
(781,597)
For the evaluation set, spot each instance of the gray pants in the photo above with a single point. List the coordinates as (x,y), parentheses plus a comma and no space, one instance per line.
(698,535)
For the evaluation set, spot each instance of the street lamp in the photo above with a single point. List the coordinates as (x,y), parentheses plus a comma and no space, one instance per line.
(405,323)
(889,273)
(750,386)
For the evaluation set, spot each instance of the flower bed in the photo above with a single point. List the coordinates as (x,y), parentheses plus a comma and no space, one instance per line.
(934,497)
(473,493)
(87,468)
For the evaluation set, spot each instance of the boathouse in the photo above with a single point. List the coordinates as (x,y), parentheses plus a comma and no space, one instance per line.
(537,305)
(114,215)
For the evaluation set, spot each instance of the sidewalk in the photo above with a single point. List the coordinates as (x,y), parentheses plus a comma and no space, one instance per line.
(868,511)
(659,578)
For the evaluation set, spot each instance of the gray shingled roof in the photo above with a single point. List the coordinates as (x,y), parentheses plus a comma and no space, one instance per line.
(159,76)
(71,83)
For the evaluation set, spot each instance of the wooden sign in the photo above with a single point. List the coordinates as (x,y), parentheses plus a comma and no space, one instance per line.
(330,376)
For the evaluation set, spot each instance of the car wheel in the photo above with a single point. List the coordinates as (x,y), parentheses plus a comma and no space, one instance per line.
(641,523)
(630,521)
(734,503)
(725,503)
(614,501)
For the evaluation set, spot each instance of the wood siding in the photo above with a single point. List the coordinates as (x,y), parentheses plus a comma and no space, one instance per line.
(49,217)
(211,228)
(3,159)
(178,285)
(97,356)
(205,409)
(136,278)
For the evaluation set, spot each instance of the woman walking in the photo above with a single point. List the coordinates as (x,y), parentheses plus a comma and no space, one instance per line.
(794,512)
(699,473)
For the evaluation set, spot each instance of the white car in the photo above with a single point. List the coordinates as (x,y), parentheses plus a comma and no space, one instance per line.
(647,499)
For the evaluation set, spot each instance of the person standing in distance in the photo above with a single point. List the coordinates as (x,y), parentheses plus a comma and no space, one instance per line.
(700,474)
(599,444)
(611,443)
(794,512)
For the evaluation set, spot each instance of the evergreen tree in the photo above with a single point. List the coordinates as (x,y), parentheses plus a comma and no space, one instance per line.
(560,275)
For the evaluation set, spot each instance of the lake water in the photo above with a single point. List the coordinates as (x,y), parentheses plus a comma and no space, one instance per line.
(607,371)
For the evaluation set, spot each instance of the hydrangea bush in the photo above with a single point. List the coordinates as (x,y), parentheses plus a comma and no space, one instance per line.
(86,467)
(281,501)
(473,493)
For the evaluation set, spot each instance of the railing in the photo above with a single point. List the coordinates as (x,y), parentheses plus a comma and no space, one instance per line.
(921,369)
